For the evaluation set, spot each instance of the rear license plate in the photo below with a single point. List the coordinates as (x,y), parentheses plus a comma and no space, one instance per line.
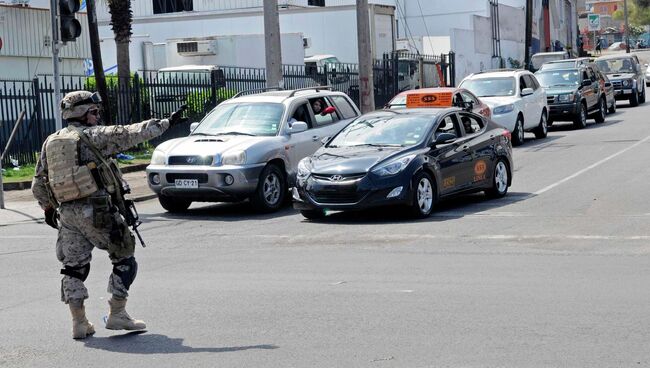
(186,183)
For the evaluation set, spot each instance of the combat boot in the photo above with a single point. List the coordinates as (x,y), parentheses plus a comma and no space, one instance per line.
(118,319)
(81,328)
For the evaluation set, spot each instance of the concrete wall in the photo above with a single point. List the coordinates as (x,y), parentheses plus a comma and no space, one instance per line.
(332,30)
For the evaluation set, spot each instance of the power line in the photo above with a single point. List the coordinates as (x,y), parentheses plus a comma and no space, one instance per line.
(406,25)
(425,26)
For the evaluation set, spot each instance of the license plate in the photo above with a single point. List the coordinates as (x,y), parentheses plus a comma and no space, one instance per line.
(186,183)
(627,91)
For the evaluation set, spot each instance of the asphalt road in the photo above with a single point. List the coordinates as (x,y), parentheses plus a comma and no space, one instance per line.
(554,275)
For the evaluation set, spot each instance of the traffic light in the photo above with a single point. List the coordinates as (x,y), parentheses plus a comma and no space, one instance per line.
(70,26)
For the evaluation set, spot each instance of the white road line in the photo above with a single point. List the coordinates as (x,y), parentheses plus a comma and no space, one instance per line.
(546,189)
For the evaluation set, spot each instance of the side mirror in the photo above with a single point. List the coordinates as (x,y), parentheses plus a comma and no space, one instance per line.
(193,126)
(328,110)
(586,83)
(297,127)
(443,138)
(325,140)
(527,91)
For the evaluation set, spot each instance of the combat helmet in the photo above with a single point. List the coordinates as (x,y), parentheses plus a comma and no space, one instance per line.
(76,104)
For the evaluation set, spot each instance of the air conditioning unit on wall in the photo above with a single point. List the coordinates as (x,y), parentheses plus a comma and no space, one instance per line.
(196,48)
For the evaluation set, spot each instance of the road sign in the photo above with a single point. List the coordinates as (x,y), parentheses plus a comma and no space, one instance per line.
(594,22)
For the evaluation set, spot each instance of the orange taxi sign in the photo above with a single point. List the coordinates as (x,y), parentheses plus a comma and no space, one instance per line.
(431,99)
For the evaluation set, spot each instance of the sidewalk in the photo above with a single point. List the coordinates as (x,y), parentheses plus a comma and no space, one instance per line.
(20,205)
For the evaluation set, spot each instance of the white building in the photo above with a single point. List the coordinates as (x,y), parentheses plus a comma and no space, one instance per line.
(327,30)
(25,35)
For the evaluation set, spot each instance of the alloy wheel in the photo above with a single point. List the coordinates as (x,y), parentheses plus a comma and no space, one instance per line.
(501,177)
(271,189)
(424,195)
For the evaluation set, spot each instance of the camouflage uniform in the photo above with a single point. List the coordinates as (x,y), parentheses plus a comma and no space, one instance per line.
(77,233)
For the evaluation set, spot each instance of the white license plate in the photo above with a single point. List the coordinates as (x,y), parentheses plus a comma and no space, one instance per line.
(626,91)
(186,183)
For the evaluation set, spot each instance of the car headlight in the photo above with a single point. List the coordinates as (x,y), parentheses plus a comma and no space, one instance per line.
(393,167)
(503,109)
(304,168)
(627,82)
(234,158)
(157,157)
(567,97)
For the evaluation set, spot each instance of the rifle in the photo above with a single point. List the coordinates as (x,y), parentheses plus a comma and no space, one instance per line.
(125,207)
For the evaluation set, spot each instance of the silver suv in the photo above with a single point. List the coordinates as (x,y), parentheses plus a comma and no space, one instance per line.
(247,147)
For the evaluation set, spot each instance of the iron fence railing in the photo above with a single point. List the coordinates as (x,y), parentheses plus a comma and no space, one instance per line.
(151,94)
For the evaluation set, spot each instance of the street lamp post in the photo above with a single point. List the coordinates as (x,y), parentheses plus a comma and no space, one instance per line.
(627,28)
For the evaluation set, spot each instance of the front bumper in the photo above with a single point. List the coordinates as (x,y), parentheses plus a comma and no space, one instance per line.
(561,111)
(211,181)
(366,192)
(623,93)
(507,120)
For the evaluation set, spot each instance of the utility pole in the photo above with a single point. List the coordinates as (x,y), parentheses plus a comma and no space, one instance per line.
(627,28)
(529,33)
(272,44)
(366,79)
(98,67)
(54,6)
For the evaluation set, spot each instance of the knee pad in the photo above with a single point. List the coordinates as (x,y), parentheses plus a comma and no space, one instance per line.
(80,272)
(126,270)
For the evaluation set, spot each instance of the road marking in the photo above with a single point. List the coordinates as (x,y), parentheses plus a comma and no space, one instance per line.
(546,189)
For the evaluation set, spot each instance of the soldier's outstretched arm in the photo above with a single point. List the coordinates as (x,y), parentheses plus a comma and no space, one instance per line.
(114,139)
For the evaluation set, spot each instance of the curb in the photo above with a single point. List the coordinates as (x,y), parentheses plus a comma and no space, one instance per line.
(145,197)
(27,184)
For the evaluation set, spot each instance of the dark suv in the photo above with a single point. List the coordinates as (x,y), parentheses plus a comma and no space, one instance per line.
(624,71)
(573,93)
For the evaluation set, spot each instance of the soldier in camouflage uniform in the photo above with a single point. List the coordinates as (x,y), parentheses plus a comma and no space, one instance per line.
(74,186)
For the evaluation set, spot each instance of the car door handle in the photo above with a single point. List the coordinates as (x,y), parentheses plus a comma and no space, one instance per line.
(315,138)
(465,148)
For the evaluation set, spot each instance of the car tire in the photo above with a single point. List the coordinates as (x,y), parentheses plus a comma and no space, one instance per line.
(602,111)
(425,195)
(642,96)
(542,129)
(174,205)
(313,214)
(612,109)
(518,133)
(634,99)
(580,121)
(499,180)
(271,190)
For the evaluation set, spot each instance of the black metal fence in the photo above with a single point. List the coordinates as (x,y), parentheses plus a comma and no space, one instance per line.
(150,94)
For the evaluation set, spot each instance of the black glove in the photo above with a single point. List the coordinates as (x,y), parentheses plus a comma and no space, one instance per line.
(50,217)
(177,116)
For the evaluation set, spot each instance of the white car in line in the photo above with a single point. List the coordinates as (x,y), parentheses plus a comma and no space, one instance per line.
(516,99)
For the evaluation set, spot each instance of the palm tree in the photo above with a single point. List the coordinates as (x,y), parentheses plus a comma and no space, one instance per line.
(121,20)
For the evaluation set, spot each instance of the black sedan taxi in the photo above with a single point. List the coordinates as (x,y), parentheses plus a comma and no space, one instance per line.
(405,157)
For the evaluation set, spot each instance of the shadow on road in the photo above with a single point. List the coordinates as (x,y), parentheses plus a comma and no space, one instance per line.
(240,211)
(139,342)
(564,126)
(453,208)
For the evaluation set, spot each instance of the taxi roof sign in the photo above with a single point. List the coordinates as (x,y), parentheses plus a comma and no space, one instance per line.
(429,99)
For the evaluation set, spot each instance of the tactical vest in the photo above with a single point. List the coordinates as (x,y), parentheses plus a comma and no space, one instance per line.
(68,179)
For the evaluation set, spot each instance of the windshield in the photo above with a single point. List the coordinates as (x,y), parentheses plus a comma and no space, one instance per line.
(554,78)
(539,59)
(398,102)
(616,65)
(559,65)
(178,76)
(386,130)
(490,87)
(242,118)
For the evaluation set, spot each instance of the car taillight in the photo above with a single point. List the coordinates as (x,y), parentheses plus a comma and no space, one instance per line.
(506,133)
